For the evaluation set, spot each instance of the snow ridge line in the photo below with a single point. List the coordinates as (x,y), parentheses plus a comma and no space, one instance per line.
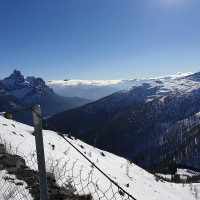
(120,189)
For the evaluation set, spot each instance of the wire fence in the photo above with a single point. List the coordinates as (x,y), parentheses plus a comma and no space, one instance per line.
(18,173)
(84,181)
(69,180)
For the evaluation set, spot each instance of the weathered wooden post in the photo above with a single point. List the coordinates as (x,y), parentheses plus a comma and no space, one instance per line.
(40,152)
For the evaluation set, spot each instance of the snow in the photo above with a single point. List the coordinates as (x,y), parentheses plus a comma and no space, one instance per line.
(20,93)
(187,172)
(9,83)
(183,173)
(11,189)
(78,82)
(95,89)
(142,185)
(24,89)
(156,89)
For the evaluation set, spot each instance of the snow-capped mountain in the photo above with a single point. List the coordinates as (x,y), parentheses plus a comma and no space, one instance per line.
(139,121)
(96,89)
(26,90)
(139,183)
(19,92)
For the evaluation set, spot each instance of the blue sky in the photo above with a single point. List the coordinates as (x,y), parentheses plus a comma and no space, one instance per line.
(99,39)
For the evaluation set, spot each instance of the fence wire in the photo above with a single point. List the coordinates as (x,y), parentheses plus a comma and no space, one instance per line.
(84,181)
(19,177)
(121,191)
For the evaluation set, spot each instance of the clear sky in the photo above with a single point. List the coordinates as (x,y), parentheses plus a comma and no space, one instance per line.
(99,39)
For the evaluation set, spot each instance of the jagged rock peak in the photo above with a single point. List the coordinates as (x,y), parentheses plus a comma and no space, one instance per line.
(16,75)
(16,72)
(35,81)
(25,89)
(15,80)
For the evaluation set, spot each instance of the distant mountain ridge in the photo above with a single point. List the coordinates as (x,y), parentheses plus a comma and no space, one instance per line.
(138,122)
(96,89)
(18,92)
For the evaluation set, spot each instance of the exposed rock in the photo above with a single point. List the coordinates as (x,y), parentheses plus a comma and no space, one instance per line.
(2,149)
(16,165)
(9,161)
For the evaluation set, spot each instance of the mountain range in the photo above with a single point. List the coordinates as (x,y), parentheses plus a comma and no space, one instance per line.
(153,124)
(17,92)
(159,116)
(96,89)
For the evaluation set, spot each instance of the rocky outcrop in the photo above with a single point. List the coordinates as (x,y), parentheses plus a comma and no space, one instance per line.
(16,165)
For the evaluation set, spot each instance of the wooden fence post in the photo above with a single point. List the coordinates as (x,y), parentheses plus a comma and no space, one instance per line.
(40,152)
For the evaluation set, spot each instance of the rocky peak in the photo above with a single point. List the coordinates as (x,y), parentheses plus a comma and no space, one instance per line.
(35,82)
(1,85)
(30,79)
(15,80)
(16,75)
(25,89)
(39,82)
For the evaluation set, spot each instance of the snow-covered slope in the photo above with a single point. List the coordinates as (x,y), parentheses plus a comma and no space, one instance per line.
(142,185)
(12,187)
(134,122)
(108,108)
(96,89)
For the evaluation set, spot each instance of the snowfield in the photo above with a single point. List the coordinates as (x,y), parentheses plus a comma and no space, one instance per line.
(136,181)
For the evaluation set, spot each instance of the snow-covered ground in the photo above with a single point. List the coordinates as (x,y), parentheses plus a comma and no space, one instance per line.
(183,173)
(187,172)
(95,89)
(11,188)
(141,184)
